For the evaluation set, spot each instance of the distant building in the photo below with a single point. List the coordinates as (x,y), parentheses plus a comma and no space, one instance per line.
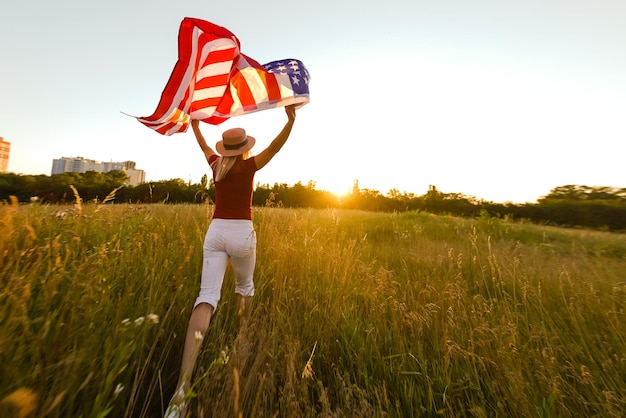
(81,165)
(5,148)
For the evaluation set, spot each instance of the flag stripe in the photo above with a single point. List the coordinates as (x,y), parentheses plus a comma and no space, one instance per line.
(273,90)
(212,81)
(239,83)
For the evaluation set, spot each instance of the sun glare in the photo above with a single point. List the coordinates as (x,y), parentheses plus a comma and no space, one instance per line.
(341,194)
(338,188)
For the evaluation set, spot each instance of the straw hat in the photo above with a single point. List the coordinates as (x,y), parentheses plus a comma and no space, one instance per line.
(234,142)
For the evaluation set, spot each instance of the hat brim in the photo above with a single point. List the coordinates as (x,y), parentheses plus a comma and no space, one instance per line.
(219,147)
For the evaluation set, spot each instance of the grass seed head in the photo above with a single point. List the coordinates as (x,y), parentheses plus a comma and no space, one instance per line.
(20,404)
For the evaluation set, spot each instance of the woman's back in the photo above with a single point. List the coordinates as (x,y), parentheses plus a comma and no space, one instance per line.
(233,194)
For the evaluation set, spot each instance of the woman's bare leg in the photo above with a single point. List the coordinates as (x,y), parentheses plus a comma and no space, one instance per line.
(243,306)
(196,330)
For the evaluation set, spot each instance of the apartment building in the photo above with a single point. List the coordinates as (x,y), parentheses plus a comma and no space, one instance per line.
(81,165)
(5,149)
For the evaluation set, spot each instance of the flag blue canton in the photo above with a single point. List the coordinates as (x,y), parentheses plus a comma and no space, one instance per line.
(297,72)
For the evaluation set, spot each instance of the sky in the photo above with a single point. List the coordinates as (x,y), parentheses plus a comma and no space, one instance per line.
(498,100)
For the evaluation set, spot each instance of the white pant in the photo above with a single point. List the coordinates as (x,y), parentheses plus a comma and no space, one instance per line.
(227,238)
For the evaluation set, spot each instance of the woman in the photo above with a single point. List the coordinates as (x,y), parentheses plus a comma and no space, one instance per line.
(230,235)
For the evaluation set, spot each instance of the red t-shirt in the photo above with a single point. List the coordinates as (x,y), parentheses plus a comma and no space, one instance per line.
(233,194)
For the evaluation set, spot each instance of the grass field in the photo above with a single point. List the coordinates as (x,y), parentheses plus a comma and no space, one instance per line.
(356,314)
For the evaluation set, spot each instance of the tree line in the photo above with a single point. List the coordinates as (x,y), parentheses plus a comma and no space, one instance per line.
(570,205)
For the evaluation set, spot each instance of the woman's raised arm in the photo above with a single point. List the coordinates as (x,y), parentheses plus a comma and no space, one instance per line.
(268,153)
(195,125)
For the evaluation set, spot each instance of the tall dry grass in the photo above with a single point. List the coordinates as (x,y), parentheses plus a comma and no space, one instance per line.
(355,314)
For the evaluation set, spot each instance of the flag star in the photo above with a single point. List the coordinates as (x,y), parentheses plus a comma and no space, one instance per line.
(295,80)
(281,68)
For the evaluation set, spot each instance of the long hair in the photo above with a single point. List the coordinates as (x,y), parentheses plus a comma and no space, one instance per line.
(222,165)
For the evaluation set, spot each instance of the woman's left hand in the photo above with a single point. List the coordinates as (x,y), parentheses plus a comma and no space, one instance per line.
(291,112)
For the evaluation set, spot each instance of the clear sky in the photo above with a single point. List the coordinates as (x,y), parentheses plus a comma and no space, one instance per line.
(500,100)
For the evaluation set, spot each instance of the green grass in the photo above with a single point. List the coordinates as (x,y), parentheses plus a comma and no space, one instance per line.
(355,314)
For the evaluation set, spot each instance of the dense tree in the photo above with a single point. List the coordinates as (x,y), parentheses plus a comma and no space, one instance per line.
(570,205)
(573,192)
(296,196)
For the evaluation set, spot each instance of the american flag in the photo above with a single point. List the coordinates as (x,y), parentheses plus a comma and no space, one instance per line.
(213,81)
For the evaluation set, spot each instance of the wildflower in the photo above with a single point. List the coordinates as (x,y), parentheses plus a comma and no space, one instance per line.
(139,321)
(154,318)
(118,389)
(223,358)
(126,322)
